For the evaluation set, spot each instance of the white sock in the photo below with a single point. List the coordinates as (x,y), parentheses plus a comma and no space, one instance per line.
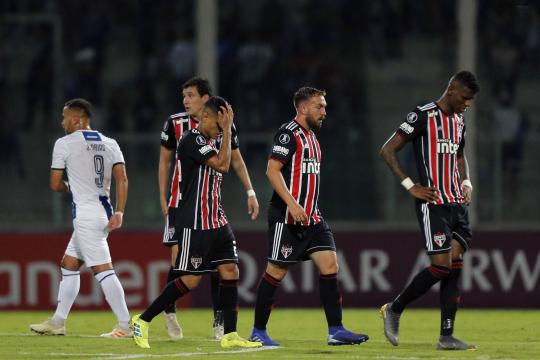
(114,294)
(67,293)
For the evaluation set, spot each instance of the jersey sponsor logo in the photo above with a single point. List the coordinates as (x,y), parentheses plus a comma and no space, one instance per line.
(311,166)
(206,149)
(196,261)
(200,140)
(286,250)
(412,117)
(446,146)
(280,150)
(439,239)
(284,138)
(164,136)
(406,128)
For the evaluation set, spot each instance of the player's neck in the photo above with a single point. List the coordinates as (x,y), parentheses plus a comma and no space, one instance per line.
(443,104)
(302,121)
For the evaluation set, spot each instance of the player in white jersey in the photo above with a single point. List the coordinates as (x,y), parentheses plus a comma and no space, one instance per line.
(90,160)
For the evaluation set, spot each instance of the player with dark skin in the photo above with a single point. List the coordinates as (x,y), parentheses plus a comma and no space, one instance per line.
(442,216)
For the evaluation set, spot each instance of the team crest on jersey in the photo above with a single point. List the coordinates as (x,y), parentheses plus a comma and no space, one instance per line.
(170,231)
(412,117)
(200,140)
(196,261)
(286,250)
(439,239)
(284,138)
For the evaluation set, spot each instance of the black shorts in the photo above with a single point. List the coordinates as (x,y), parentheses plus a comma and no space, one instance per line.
(289,244)
(168,233)
(200,251)
(440,224)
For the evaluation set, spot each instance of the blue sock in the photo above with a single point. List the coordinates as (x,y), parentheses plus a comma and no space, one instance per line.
(334,329)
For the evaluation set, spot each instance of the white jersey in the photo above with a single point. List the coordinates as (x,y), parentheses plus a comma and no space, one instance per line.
(88,158)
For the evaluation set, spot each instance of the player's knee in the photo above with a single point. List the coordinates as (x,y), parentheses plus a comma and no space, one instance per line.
(277,272)
(229,271)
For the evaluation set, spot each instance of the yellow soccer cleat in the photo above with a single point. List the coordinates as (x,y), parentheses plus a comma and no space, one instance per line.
(140,331)
(233,340)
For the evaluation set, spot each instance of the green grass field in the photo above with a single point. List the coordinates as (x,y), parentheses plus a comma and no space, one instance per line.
(499,334)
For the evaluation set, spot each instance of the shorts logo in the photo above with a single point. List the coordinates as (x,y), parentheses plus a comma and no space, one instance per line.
(286,250)
(439,239)
(284,138)
(412,117)
(196,261)
(170,231)
(200,140)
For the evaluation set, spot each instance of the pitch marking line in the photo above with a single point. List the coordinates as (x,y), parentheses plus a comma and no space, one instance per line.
(111,356)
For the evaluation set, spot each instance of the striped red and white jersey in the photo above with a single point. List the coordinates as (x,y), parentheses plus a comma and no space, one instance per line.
(171,134)
(299,151)
(200,206)
(436,138)
(174,127)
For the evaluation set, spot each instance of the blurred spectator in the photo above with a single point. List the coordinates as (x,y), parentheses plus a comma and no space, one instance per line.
(511,127)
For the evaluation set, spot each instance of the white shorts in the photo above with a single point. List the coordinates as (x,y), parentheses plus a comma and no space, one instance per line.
(89,241)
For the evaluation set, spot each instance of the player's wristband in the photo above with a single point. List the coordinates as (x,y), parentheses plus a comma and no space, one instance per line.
(250,192)
(407,183)
(467,182)
(121,213)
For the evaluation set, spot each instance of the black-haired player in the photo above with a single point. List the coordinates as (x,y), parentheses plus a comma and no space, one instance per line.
(437,133)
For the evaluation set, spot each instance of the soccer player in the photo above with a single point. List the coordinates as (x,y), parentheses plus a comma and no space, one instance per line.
(207,241)
(195,93)
(437,132)
(90,159)
(297,231)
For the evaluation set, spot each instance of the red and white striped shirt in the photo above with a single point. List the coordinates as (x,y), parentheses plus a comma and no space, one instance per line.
(299,151)
(436,139)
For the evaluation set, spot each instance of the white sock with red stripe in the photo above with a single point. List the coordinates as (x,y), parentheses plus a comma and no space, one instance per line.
(67,293)
(114,294)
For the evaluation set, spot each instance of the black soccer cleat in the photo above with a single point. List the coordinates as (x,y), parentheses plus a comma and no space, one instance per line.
(449,342)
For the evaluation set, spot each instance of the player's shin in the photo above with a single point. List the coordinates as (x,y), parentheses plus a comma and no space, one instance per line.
(422,282)
(331,300)
(229,303)
(172,292)
(265,300)
(450,298)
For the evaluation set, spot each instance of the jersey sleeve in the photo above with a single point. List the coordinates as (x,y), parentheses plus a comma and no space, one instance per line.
(414,123)
(196,147)
(59,156)
(235,144)
(117,156)
(284,146)
(168,138)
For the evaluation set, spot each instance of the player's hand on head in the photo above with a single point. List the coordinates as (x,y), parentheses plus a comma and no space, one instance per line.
(224,117)
(253,207)
(115,222)
(425,193)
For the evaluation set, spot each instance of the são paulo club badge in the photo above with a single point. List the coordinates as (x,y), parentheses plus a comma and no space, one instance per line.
(196,261)
(286,250)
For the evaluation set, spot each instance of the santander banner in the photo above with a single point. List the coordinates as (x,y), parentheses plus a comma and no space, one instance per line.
(501,270)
